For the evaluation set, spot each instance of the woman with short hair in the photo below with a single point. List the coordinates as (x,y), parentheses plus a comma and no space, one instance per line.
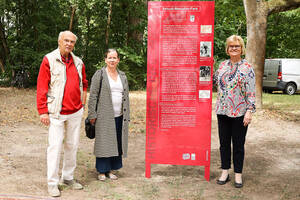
(235,104)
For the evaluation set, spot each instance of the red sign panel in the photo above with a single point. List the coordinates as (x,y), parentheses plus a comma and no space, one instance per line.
(179,83)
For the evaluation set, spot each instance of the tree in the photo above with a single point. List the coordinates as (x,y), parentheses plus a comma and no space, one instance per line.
(73,8)
(230,19)
(282,35)
(108,23)
(29,30)
(257,13)
(3,47)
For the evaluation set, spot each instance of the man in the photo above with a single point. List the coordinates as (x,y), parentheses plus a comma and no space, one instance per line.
(61,96)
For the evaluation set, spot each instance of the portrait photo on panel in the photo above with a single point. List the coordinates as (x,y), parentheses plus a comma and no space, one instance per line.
(205,49)
(204,74)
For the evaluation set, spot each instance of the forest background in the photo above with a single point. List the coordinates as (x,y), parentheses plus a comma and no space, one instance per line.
(29,30)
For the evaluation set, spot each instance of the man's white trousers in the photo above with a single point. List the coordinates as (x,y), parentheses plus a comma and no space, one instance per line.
(63,132)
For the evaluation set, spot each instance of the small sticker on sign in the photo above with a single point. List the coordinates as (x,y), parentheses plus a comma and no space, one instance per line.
(193,156)
(186,156)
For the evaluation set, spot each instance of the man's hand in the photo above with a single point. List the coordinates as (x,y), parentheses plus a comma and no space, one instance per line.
(93,121)
(45,119)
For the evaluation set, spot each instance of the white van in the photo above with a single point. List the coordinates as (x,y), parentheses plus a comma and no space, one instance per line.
(282,74)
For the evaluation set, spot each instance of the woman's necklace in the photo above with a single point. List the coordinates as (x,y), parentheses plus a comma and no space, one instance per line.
(113,74)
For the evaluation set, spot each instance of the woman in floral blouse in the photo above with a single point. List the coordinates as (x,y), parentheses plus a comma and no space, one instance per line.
(235,104)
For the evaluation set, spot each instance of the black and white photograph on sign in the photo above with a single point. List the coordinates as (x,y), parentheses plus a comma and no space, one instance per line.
(204,94)
(205,49)
(204,73)
(206,28)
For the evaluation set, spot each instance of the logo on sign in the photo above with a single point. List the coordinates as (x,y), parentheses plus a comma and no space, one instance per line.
(186,156)
(192,18)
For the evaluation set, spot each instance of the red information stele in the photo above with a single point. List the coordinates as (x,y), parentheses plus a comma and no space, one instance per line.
(179,83)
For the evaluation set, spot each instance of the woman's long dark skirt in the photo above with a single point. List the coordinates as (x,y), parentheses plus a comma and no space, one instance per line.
(105,165)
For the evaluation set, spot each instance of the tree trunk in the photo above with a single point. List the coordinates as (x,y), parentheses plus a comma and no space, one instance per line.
(256,14)
(134,35)
(4,45)
(108,23)
(3,39)
(72,18)
(2,65)
(88,19)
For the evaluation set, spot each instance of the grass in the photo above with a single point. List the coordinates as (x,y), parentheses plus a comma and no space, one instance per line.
(281,100)
(283,106)
(279,105)
(277,100)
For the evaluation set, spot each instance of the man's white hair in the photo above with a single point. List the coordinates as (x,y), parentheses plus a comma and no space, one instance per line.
(63,32)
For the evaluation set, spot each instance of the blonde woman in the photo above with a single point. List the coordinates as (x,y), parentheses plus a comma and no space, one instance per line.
(235,104)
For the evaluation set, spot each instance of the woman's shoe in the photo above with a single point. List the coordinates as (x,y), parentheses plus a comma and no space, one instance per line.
(223,182)
(238,185)
(101,177)
(238,182)
(112,176)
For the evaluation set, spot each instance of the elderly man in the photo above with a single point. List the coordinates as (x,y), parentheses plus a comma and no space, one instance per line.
(61,96)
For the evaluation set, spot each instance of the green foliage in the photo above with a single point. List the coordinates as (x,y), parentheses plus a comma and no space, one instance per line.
(91,17)
(92,27)
(32,26)
(283,35)
(230,20)
(134,66)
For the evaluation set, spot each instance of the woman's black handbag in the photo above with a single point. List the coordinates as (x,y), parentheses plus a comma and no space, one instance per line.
(89,129)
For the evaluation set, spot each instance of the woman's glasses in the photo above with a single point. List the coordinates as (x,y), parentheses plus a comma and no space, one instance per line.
(234,46)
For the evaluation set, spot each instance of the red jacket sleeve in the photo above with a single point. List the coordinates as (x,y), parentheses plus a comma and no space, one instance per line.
(84,81)
(43,81)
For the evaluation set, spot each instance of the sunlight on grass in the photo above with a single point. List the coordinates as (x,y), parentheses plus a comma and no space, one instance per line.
(286,107)
(279,99)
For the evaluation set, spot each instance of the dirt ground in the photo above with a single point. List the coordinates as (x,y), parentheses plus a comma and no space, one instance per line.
(271,168)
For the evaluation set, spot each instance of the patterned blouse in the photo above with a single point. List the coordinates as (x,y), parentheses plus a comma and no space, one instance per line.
(236,88)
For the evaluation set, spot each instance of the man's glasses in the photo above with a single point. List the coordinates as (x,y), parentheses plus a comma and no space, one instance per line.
(234,46)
